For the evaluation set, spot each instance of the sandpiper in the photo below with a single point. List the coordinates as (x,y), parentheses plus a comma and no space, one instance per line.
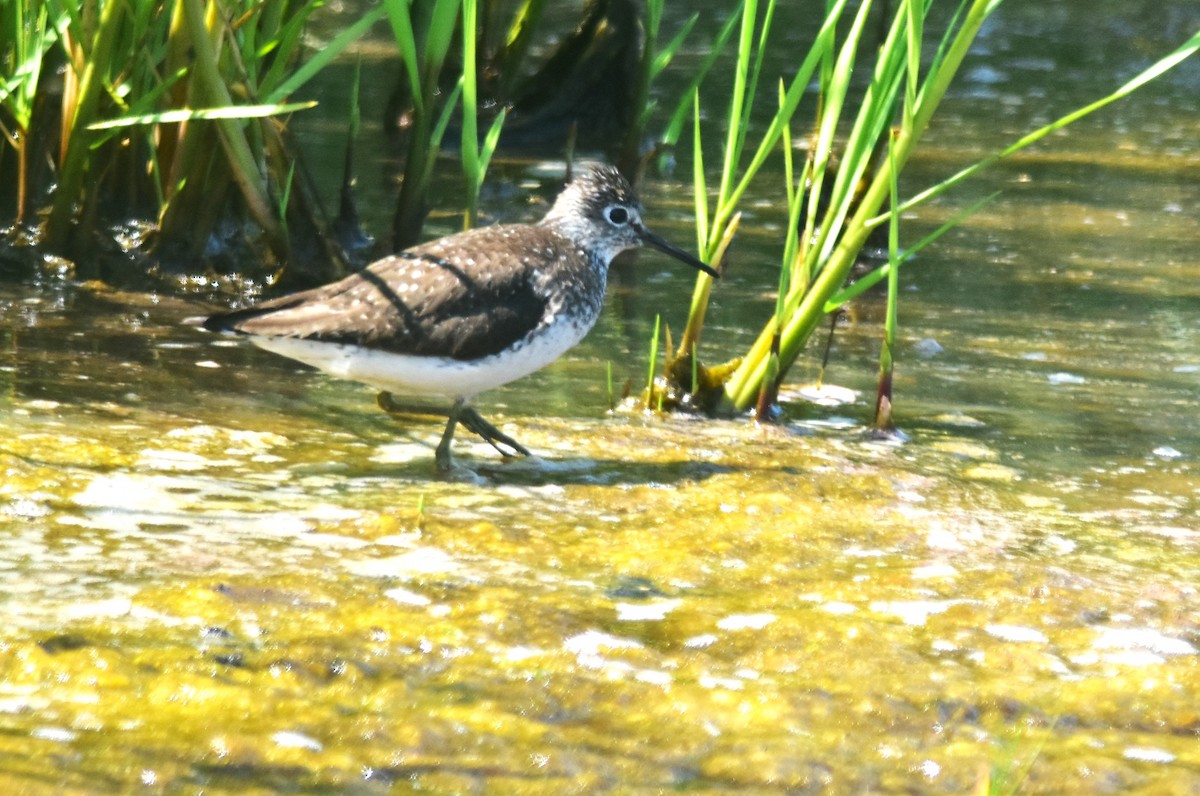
(467,312)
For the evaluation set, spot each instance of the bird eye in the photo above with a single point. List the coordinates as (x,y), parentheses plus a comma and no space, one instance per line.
(618,215)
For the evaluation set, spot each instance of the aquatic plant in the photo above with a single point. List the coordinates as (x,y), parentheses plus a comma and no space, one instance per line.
(423,49)
(29,40)
(837,200)
(178,112)
(476,155)
(653,61)
(170,110)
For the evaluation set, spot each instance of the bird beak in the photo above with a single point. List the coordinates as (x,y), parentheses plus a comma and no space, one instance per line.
(650,239)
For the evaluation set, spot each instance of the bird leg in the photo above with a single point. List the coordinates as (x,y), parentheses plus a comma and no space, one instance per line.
(442,455)
(462,414)
(394,406)
(490,434)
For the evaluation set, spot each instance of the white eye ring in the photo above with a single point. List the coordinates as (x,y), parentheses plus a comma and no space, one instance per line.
(617,215)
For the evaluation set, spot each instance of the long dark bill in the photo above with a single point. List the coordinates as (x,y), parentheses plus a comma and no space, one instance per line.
(679,254)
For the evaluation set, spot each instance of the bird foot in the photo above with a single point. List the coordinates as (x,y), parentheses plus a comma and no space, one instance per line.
(460,414)
(471,420)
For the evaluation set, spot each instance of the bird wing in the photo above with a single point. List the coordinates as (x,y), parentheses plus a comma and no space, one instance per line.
(464,297)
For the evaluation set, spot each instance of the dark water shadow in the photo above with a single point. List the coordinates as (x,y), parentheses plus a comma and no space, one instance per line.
(541,470)
(586,471)
(474,463)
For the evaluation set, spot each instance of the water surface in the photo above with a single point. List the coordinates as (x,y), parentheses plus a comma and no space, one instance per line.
(226,572)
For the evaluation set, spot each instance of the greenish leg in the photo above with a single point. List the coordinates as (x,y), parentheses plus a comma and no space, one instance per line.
(442,455)
(460,413)
(492,435)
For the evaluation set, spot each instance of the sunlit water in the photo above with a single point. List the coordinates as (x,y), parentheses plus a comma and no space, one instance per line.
(225,572)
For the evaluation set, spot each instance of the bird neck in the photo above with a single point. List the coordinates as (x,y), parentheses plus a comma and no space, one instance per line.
(582,236)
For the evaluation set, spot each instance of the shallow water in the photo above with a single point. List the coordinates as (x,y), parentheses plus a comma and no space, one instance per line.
(225,572)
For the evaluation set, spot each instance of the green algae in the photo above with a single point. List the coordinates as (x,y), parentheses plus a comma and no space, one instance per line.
(732,609)
(223,573)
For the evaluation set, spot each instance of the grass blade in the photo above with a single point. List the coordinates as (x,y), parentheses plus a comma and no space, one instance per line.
(324,56)
(184,115)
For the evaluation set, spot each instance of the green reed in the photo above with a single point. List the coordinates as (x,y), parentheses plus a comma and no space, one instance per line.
(31,30)
(653,61)
(652,365)
(423,50)
(476,155)
(835,208)
(168,108)
(884,394)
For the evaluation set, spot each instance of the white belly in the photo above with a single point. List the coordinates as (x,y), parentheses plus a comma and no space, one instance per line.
(421,376)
